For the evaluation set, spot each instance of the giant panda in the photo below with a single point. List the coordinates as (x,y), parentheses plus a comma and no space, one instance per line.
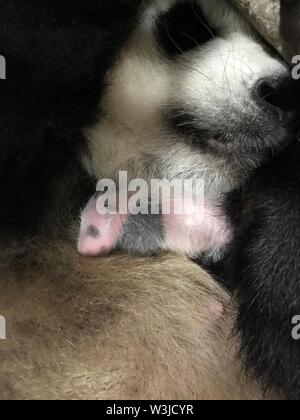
(91,89)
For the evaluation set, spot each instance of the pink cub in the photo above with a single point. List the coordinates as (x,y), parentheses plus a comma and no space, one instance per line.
(193,232)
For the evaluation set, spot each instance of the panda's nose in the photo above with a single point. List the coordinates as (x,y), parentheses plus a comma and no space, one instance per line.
(280,95)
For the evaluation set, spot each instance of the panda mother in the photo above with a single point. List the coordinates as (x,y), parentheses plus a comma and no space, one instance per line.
(156,88)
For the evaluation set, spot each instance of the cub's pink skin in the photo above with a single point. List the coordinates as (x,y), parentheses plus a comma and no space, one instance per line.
(194,232)
(197,230)
(99,233)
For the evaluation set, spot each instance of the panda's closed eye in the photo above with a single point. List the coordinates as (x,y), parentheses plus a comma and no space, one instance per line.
(183,28)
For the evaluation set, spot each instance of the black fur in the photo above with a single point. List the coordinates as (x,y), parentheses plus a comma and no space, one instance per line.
(183,28)
(264,271)
(263,266)
(57,54)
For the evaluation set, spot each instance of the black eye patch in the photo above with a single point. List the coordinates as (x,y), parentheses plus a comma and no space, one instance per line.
(183,28)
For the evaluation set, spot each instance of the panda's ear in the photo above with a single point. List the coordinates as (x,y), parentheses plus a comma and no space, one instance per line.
(182,28)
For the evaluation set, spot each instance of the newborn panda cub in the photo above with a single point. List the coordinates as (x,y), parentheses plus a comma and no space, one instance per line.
(193,95)
(196,230)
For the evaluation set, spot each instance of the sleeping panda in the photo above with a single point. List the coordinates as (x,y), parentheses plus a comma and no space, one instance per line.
(159,89)
(202,98)
(115,328)
(195,94)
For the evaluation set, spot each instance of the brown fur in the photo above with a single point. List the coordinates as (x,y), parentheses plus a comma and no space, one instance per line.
(115,328)
(92,329)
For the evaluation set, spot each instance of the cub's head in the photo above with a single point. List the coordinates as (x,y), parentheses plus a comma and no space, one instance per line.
(195,93)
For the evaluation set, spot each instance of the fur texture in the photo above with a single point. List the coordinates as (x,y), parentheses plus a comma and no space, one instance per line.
(215,109)
(263,268)
(196,114)
(119,327)
(76,328)
(109,328)
(264,263)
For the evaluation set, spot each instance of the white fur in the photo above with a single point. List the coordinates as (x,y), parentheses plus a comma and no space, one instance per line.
(215,81)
